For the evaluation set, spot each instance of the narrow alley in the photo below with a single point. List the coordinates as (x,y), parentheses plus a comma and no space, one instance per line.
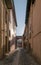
(19,57)
(20,32)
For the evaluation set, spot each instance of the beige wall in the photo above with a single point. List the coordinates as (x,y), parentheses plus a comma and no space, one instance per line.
(2,28)
(37,28)
(12,25)
(35,19)
(12,28)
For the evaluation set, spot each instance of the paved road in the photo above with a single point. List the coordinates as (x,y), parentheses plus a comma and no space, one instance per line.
(26,59)
(18,58)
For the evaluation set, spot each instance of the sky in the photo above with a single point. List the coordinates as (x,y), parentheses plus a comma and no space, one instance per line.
(20,9)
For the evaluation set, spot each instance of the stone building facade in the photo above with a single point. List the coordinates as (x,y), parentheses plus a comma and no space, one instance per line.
(12,29)
(33,25)
(19,43)
(5,7)
(3,28)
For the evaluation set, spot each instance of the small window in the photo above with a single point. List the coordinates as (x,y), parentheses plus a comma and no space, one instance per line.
(6,16)
(9,32)
(33,1)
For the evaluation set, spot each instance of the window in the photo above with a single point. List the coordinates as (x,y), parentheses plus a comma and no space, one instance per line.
(6,16)
(9,32)
(33,1)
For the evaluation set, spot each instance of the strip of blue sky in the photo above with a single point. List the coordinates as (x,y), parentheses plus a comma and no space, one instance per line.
(20,7)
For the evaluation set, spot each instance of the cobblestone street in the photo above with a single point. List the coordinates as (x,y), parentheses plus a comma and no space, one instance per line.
(19,57)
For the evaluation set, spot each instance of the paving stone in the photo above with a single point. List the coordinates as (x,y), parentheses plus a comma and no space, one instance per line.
(20,57)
